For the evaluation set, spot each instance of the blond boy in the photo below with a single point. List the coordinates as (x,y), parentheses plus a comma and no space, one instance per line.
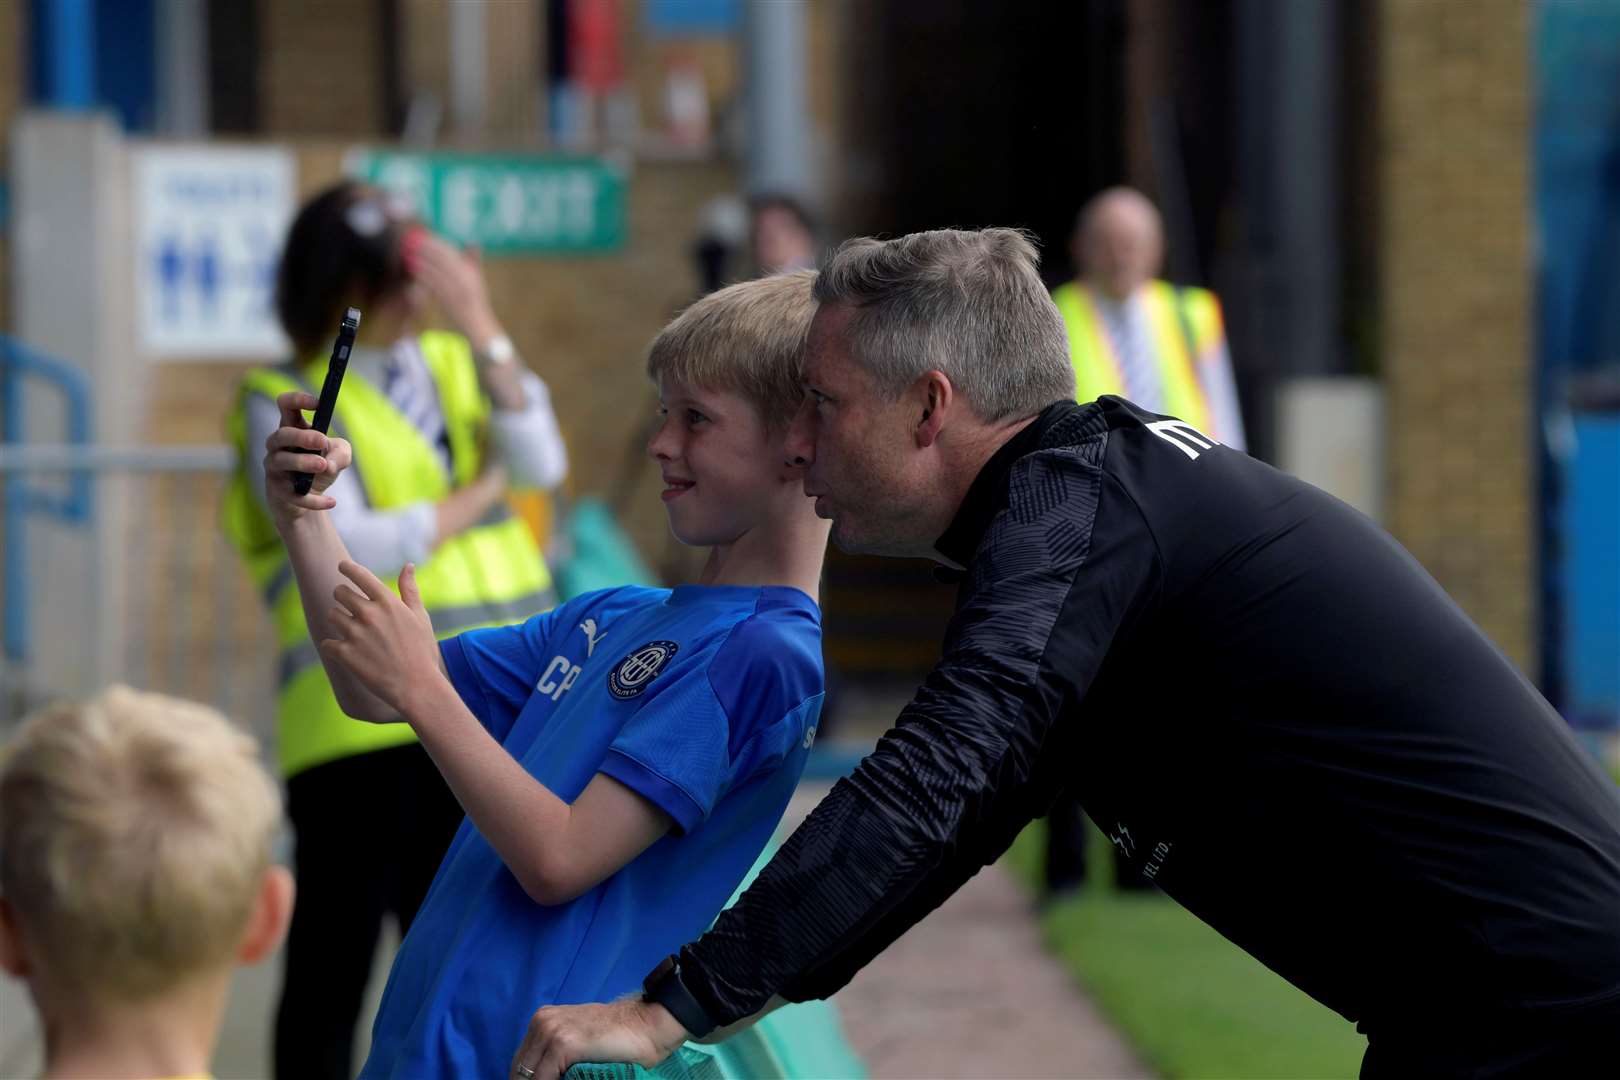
(623,758)
(135,874)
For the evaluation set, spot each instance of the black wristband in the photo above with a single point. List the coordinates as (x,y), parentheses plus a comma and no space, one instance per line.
(663,985)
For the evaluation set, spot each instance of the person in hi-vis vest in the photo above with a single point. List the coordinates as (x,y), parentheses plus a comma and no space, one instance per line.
(1159,345)
(444,423)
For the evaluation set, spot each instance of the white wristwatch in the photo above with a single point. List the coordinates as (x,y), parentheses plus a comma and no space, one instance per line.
(497,350)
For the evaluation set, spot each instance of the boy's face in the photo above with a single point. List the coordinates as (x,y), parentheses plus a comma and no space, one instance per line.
(722,469)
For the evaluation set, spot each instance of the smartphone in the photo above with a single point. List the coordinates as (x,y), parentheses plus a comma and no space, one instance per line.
(329,388)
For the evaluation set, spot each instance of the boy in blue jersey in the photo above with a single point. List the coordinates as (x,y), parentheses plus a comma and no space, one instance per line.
(623,758)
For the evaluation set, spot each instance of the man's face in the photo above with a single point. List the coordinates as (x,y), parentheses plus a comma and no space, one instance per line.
(780,242)
(1120,249)
(862,458)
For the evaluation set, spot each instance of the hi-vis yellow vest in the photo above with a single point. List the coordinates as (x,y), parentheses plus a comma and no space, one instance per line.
(490,574)
(1186,333)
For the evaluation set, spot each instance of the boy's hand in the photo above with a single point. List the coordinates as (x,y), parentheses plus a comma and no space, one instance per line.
(385,640)
(295,447)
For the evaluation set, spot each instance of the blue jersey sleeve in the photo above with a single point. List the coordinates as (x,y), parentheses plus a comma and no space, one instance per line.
(493,670)
(754,703)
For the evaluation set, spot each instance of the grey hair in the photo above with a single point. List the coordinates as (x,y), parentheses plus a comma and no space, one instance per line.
(969,303)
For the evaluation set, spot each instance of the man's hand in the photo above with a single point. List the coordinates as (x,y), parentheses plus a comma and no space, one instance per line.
(563,1035)
(295,447)
(385,640)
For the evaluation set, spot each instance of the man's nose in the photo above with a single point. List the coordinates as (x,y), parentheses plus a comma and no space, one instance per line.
(801,435)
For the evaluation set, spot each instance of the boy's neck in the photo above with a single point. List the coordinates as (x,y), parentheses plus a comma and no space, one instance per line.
(787,549)
(170,1036)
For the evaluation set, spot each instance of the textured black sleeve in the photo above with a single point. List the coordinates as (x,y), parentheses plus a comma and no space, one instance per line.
(949,787)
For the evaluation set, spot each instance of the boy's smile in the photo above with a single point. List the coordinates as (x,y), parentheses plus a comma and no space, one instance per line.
(675,486)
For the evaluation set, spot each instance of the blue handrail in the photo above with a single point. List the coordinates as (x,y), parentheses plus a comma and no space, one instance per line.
(17,362)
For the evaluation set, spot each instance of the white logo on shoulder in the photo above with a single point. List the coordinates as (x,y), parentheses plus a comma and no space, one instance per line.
(1183,436)
(558,677)
(592,636)
(638,669)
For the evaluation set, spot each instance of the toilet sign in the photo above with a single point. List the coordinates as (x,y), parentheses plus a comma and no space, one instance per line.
(508,203)
(208,228)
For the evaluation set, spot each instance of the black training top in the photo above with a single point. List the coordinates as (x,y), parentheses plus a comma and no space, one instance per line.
(1262,699)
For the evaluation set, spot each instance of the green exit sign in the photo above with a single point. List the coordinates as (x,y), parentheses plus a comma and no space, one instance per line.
(508,204)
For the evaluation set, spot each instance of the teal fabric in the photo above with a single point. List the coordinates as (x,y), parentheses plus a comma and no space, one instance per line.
(600,555)
(686,1063)
(796,1042)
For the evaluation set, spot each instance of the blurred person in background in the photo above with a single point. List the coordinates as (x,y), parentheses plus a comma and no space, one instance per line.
(1158,345)
(446,422)
(135,875)
(771,233)
(781,233)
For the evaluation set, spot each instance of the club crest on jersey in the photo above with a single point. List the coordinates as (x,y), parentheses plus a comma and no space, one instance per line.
(635,671)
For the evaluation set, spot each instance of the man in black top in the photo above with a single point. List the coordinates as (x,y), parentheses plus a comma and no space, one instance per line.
(1273,712)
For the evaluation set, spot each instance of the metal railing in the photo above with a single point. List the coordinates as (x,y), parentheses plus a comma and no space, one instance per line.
(187,620)
(113,566)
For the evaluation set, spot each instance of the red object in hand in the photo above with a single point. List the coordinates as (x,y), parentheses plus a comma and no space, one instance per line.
(408,246)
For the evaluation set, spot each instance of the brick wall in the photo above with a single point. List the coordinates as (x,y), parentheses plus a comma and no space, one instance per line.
(322,67)
(1455,266)
(514,36)
(425,48)
(514,39)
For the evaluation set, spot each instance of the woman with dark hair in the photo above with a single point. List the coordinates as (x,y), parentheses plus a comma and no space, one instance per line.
(442,423)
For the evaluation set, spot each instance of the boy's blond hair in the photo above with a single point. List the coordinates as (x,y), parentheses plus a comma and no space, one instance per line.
(135,831)
(747,338)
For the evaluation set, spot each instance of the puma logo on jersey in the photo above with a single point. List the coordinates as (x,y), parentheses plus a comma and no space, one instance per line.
(1183,436)
(591,636)
(561,672)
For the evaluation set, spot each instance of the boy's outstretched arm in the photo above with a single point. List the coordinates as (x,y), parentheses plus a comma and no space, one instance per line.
(313,545)
(556,850)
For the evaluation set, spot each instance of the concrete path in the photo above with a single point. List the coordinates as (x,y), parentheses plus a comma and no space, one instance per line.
(971,992)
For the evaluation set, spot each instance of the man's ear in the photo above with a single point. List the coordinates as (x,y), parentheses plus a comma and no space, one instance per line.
(272,911)
(12,958)
(936,396)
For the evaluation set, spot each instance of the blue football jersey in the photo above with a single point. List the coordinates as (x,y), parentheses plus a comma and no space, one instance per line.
(702,699)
